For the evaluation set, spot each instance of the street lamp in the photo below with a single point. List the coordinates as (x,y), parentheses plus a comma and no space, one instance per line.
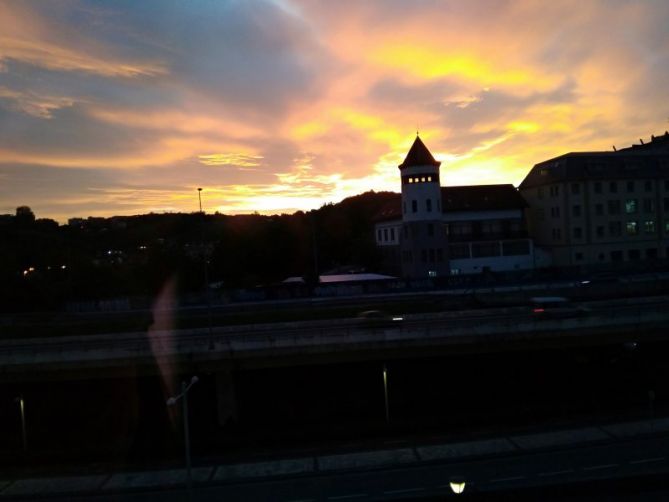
(206,271)
(457,485)
(385,392)
(184,399)
(22,408)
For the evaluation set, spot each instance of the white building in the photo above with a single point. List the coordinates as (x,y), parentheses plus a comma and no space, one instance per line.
(433,231)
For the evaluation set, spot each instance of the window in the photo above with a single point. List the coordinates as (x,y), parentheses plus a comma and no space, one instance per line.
(431,255)
(458,251)
(616,256)
(430,229)
(614,207)
(666,203)
(440,255)
(599,209)
(651,253)
(432,273)
(483,249)
(577,232)
(631,206)
(666,184)
(666,228)
(576,210)
(648,186)
(540,192)
(404,207)
(378,235)
(428,205)
(613,187)
(632,228)
(555,211)
(630,186)
(515,248)
(648,205)
(578,256)
(555,190)
(543,172)
(600,231)
(598,187)
(601,257)
(575,188)
(556,233)
(423,255)
(615,229)
(414,206)
(385,234)
(633,254)
(649,226)
(392,234)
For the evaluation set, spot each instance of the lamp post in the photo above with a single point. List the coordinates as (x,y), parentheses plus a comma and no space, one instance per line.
(22,408)
(206,271)
(385,392)
(184,399)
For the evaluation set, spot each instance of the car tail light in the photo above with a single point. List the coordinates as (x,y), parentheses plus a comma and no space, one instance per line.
(538,311)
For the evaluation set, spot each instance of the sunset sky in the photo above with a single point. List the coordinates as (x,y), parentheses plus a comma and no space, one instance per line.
(125,107)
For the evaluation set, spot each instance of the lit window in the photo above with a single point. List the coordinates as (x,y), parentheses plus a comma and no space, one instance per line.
(632,228)
(631,206)
(649,226)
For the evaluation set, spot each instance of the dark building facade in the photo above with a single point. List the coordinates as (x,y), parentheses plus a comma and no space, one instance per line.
(601,207)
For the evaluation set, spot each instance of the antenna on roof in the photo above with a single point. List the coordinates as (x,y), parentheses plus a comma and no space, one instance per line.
(614,148)
(641,141)
(417,130)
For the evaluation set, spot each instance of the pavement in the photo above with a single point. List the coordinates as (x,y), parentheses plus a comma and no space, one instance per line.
(644,440)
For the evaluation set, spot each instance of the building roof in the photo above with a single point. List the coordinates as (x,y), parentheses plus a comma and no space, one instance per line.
(647,160)
(419,155)
(339,278)
(481,198)
(580,166)
(464,198)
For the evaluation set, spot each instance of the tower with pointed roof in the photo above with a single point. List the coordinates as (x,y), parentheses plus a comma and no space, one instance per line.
(422,240)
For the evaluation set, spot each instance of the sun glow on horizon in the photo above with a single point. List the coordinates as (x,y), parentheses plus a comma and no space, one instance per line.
(127,112)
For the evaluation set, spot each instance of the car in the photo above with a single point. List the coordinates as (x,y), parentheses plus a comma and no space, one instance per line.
(378,318)
(551,307)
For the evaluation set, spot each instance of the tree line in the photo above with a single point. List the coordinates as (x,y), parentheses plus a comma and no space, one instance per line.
(43,264)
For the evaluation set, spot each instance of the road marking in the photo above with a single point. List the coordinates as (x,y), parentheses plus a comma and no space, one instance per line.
(404,490)
(352,496)
(502,480)
(647,460)
(556,473)
(602,466)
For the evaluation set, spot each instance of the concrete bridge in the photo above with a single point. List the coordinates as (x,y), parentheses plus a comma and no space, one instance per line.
(335,340)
